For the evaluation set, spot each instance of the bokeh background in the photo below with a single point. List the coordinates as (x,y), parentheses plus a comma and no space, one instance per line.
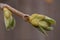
(25,31)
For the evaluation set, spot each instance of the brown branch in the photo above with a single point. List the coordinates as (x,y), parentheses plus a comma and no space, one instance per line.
(21,14)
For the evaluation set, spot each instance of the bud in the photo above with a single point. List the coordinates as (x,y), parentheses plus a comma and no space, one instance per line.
(9,20)
(42,22)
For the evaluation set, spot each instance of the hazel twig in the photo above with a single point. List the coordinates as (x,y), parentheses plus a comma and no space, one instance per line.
(19,13)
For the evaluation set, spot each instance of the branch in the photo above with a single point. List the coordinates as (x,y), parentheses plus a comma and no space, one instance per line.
(41,22)
(19,13)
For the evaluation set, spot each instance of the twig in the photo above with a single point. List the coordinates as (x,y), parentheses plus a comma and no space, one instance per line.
(21,14)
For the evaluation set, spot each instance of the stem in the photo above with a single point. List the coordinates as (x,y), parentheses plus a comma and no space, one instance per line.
(19,13)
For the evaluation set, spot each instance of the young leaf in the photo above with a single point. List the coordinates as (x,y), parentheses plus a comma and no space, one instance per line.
(50,20)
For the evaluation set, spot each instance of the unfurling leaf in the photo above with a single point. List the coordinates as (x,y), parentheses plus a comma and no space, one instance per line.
(9,20)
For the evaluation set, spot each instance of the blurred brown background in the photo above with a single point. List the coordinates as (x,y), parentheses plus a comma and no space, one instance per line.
(24,30)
